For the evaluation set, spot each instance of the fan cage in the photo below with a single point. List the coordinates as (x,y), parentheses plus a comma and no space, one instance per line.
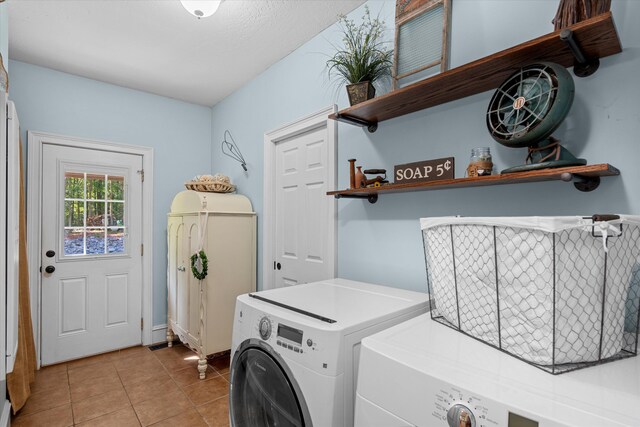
(538,85)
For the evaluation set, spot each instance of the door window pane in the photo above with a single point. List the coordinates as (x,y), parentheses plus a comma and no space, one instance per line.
(116,188)
(74,213)
(95,187)
(95,241)
(74,241)
(94,214)
(74,185)
(115,214)
(115,240)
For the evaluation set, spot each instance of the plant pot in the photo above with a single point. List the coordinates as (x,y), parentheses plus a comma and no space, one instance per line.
(360,92)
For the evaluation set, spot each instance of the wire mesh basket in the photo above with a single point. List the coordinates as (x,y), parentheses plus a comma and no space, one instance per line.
(561,293)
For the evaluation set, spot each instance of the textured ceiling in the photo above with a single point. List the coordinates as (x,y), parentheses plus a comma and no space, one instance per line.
(158,47)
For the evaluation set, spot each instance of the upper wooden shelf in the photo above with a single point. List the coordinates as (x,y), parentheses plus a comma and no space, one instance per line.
(597,38)
(585,178)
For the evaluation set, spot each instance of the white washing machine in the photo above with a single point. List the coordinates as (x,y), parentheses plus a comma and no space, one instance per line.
(295,350)
(440,377)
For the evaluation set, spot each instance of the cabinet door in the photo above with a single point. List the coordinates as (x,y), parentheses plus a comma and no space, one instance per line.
(193,284)
(174,230)
(184,278)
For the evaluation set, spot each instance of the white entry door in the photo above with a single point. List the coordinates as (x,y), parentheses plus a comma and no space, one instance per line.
(303,229)
(91,252)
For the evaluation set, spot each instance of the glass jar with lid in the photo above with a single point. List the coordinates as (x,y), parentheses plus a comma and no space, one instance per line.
(481,163)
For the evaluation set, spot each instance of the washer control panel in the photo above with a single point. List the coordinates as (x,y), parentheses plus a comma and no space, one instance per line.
(460,409)
(459,415)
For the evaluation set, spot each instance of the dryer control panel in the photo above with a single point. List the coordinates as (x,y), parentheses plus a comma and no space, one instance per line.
(290,338)
(264,328)
(286,337)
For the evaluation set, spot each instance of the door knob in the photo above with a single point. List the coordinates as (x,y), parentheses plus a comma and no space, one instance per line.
(50,253)
(278,266)
(182,269)
(50,269)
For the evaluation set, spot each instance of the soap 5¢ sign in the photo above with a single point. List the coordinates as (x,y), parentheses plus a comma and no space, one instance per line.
(427,170)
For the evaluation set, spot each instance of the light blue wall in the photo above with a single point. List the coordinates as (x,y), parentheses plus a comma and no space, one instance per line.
(381,243)
(179,132)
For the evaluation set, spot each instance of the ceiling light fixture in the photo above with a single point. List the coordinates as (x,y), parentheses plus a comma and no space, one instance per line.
(201,8)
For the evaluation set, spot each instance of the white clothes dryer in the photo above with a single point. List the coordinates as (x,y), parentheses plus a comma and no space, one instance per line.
(295,350)
(424,374)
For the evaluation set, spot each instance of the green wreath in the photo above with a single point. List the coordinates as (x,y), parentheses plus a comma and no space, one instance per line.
(200,275)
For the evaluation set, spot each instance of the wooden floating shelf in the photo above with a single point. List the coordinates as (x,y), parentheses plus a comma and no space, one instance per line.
(585,178)
(596,37)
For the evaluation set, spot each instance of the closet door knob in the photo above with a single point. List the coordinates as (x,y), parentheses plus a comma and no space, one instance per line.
(50,269)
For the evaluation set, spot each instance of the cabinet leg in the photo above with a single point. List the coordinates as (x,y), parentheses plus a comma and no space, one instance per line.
(170,337)
(202,366)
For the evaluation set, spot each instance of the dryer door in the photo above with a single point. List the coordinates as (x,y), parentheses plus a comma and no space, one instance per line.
(264,393)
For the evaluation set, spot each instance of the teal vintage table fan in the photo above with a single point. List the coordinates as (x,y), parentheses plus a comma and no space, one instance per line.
(527,108)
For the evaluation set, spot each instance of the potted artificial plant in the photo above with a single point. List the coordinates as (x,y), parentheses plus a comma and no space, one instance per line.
(363,59)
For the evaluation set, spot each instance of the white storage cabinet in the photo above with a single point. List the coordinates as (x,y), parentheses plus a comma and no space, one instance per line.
(205,309)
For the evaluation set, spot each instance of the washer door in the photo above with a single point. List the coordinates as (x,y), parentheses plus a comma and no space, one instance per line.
(264,393)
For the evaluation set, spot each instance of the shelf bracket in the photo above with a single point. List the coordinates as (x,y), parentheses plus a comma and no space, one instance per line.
(581,182)
(371,126)
(372,197)
(582,66)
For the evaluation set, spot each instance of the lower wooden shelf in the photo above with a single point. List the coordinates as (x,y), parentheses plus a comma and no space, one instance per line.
(585,178)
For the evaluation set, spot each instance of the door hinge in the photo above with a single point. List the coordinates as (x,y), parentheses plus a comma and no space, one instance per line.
(142,250)
(141,173)
(141,323)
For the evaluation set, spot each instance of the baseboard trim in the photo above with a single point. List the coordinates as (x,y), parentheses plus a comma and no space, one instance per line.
(158,334)
(6,414)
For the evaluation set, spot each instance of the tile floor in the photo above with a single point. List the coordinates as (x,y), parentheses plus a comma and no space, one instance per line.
(130,387)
